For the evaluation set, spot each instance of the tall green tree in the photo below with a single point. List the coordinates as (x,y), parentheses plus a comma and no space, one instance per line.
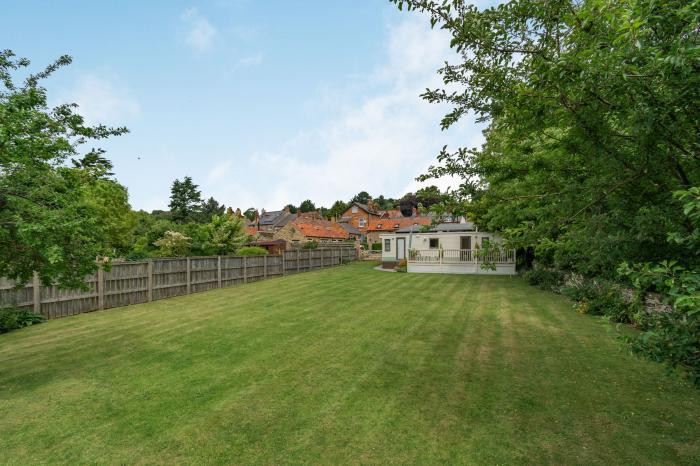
(307,206)
(592,111)
(210,208)
(362,197)
(50,221)
(429,196)
(185,200)
(250,213)
(337,209)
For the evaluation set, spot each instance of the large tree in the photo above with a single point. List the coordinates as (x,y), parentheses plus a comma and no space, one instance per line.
(362,197)
(307,206)
(592,109)
(210,208)
(52,219)
(337,209)
(185,200)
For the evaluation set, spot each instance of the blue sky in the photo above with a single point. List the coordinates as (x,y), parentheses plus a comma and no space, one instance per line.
(261,102)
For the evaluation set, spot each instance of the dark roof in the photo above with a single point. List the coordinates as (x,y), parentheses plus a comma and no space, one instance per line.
(277,218)
(350,229)
(268,218)
(469,226)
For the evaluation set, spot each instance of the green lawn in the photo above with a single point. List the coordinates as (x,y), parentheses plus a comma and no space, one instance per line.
(344,365)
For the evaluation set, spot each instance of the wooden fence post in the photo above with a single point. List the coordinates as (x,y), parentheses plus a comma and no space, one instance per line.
(101,288)
(189,284)
(218,271)
(283,255)
(36,291)
(149,267)
(298,260)
(245,269)
(264,267)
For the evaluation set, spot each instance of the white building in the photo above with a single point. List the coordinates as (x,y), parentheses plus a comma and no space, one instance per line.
(447,248)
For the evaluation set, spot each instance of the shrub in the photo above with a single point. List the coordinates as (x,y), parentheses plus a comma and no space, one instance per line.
(601,299)
(252,251)
(402,266)
(671,337)
(376,246)
(310,245)
(544,279)
(11,319)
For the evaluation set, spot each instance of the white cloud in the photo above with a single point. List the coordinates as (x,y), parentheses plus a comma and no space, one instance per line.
(250,60)
(200,35)
(220,171)
(378,143)
(101,100)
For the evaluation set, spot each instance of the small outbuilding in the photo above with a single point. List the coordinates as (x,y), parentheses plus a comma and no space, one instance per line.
(457,248)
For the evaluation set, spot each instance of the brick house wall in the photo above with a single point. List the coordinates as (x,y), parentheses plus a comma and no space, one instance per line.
(354,218)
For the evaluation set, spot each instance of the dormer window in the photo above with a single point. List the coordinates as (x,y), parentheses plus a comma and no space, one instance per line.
(379,226)
(354,209)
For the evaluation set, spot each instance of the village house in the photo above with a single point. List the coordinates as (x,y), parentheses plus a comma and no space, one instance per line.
(359,215)
(304,230)
(387,225)
(274,220)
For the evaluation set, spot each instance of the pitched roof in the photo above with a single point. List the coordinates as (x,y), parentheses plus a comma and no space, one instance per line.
(393,224)
(349,228)
(468,226)
(391,213)
(320,229)
(278,218)
(364,207)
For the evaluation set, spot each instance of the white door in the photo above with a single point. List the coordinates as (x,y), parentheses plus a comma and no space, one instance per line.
(400,249)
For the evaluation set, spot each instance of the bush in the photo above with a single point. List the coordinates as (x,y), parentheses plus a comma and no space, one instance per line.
(544,279)
(376,246)
(310,245)
(674,339)
(670,337)
(11,319)
(402,266)
(600,299)
(252,251)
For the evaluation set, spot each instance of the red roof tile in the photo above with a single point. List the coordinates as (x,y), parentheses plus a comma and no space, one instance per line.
(321,229)
(393,224)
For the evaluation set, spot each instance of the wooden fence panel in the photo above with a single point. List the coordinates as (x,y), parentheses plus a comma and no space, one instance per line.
(169,278)
(128,283)
(12,295)
(204,273)
(231,270)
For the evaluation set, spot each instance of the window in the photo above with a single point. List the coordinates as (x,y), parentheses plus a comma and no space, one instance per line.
(434,243)
(387,245)
(354,209)
(362,222)
(379,226)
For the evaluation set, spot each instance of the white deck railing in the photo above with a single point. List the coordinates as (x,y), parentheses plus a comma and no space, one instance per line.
(459,256)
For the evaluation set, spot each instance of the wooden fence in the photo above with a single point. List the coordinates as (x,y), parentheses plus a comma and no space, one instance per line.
(139,282)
